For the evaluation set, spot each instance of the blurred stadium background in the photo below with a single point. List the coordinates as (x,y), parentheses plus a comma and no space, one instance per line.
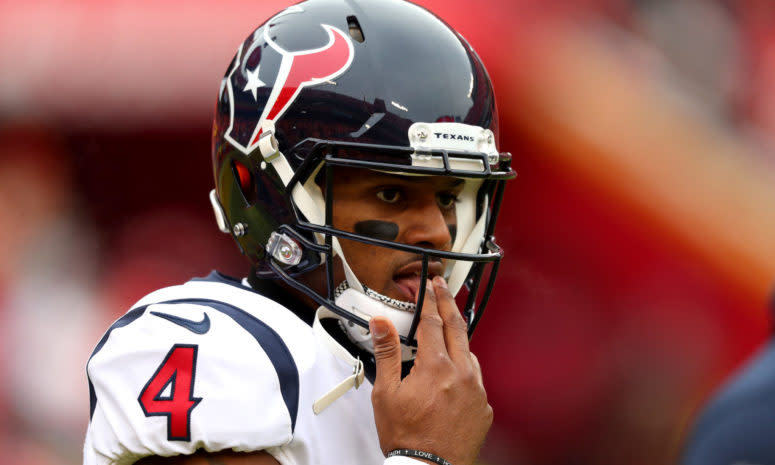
(640,232)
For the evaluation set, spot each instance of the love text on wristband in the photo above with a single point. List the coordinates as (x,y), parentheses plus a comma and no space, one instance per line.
(418,454)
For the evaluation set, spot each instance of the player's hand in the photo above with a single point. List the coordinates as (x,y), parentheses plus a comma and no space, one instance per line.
(441,406)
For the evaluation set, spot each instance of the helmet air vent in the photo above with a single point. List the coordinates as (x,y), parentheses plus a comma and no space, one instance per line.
(245,182)
(355,29)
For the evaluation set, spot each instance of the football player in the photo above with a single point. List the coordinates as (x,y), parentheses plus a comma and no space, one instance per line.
(734,426)
(356,166)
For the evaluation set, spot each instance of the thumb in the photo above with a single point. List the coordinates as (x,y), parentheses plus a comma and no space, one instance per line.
(387,351)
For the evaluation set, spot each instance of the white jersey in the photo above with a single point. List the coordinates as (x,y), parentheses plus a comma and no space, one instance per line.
(213,365)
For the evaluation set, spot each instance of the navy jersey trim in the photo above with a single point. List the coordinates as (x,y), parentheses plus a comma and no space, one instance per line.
(271,342)
(130,316)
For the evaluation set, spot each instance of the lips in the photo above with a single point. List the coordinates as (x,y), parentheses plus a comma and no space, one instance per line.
(407,278)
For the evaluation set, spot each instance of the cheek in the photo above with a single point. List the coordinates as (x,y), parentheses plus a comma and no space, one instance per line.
(370,263)
(377,229)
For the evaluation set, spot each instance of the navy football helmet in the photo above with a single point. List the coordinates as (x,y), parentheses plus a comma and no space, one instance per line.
(382,85)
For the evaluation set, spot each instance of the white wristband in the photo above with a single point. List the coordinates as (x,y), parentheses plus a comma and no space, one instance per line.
(401,460)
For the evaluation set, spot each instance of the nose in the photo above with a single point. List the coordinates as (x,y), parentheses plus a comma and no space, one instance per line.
(427,226)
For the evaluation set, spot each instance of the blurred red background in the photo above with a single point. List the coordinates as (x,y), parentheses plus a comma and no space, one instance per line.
(638,233)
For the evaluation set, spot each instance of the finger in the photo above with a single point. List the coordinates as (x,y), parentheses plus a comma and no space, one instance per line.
(387,351)
(477,369)
(455,328)
(430,335)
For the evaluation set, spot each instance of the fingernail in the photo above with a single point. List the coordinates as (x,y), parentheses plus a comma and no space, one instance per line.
(440,282)
(378,328)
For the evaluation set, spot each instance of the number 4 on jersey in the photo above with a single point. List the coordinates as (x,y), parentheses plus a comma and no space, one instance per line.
(170,391)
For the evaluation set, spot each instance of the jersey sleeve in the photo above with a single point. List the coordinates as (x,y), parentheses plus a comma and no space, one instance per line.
(171,378)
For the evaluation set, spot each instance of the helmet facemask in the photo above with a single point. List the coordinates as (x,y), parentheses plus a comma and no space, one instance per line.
(473,254)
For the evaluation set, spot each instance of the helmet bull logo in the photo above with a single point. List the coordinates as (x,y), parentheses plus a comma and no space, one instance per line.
(296,71)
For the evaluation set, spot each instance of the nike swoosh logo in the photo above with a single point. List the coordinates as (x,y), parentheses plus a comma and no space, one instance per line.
(198,327)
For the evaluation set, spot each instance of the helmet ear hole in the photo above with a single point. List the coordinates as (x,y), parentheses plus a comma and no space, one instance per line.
(245,180)
(355,29)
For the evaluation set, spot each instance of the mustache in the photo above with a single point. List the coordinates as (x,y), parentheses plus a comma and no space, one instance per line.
(418,258)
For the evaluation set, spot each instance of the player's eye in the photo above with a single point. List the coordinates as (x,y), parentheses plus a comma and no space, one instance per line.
(389,195)
(446,200)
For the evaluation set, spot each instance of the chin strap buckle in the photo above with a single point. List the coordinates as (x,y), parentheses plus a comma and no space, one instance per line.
(353,381)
